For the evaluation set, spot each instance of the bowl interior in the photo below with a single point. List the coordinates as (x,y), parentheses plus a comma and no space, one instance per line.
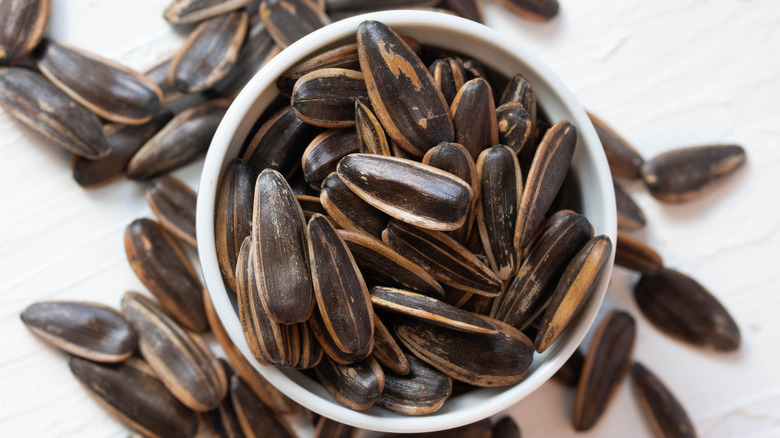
(504,57)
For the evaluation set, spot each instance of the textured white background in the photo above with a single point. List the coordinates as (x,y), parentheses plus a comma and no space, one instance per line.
(665,73)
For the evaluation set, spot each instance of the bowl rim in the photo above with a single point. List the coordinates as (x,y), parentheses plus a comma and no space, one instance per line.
(209,186)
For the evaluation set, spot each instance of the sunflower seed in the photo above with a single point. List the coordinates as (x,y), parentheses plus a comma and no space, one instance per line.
(445,259)
(406,190)
(581,277)
(410,106)
(261,388)
(326,97)
(106,88)
(280,263)
(519,90)
(344,321)
(475,70)
(89,330)
(536,10)
(605,365)
(163,267)
(381,265)
(257,49)
(290,20)
(515,128)
(449,75)
(681,307)
(124,141)
(279,142)
(222,421)
(324,152)
(478,359)
(506,428)
(254,416)
(636,255)
(192,11)
(683,174)
(624,161)
(371,136)
(352,6)
(349,211)
(305,351)
(474,117)
(455,159)
(548,170)
(569,373)
(209,53)
(184,363)
(480,429)
(422,391)
(560,238)
(30,98)
(327,428)
(158,73)
(266,338)
(665,414)
(387,351)
(471,9)
(629,216)
(502,186)
(357,386)
(136,397)
(234,216)
(173,202)
(428,309)
(21,28)
(345,56)
(180,142)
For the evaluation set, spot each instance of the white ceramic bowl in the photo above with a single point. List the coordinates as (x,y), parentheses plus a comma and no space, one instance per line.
(504,56)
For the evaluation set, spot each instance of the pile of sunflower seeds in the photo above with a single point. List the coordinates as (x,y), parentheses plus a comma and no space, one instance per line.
(117,121)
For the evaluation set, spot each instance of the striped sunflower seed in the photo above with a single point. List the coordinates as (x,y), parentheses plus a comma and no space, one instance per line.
(410,106)
(173,202)
(348,211)
(234,217)
(387,351)
(344,322)
(569,373)
(634,254)
(581,277)
(380,264)
(474,117)
(471,9)
(89,330)
(607,361)
(30,98)
(516,129)
(209,53)
(186,137)
(423,390)
(21,27)
(192,11)
(222,420)
(682,175)
(135,396)
(428,309)
(549,168)
(324,152)
(290,20)
(108,89)
(561,237)
(371,136)
(326,97)
(445,259)
(624,161)
(254,416)
(280,260)
(683,308)
(409,191)
(183,362)
(124,141)
(629,216)
(158,73)
(357,386)
(478,359)
(449,75)
(665,414)
(164,268)
(502,186)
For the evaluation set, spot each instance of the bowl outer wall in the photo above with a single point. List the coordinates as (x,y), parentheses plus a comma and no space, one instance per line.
(507,57)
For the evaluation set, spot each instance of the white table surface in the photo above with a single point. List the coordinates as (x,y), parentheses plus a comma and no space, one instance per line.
(664,73)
